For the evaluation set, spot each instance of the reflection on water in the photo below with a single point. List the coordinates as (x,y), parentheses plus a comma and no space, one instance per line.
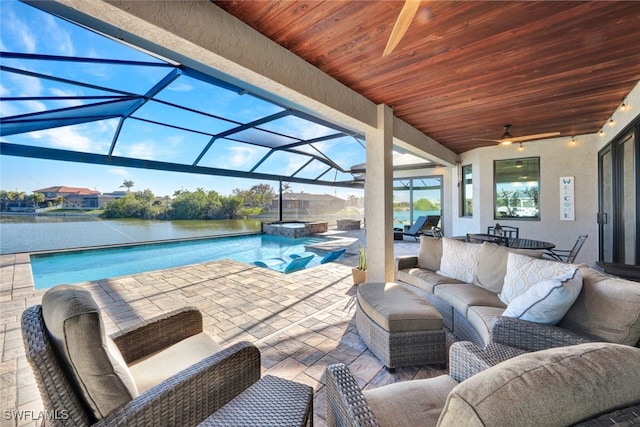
(40,233)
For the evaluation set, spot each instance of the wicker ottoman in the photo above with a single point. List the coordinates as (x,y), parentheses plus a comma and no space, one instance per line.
(399,327)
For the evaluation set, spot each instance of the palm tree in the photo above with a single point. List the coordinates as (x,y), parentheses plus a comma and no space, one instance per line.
(286,187)
(37,199)
(128,184)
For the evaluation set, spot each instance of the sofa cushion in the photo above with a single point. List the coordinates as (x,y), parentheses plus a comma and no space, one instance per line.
(606,309)
(559,386)
(410,403)
(547,301)
(397,309)
(423,279)
(92,360)
(459,259)
(523,272)
(462,296)
(492,265)
(430,253)
(157,367)
(481,318)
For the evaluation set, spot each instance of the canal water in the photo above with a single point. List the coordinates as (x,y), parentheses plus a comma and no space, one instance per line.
(43,233)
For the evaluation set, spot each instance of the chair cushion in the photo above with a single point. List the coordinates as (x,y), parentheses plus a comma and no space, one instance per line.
(547,301)
(430,253)
(459,259)
(410,403)
(92,360)
(606,309)
(523,272)
(559,386)
(492,265)
(159,366)
(397,309)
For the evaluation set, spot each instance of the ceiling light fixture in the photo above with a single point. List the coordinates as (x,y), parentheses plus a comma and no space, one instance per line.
(612,122)
(623,107)
(601,133)
(521,147)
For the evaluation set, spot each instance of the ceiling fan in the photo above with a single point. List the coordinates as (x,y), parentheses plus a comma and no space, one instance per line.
(401,26)
(507,138)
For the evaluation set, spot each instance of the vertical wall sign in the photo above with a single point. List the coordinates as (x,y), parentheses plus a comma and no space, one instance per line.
(567,199)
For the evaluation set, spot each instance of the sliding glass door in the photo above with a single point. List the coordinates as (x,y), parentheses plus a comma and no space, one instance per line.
(415,197)
(619,204)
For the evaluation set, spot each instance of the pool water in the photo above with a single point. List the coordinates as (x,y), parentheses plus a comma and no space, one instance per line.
(94,264)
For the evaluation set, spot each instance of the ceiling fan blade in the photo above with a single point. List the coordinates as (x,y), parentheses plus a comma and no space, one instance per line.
(407,13)
(484,139)
(535,136)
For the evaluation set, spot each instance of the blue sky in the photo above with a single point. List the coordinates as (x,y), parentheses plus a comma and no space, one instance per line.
(28,30)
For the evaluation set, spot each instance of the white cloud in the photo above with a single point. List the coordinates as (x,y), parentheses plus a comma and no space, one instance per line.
(57,37)
(180,87)
(241,156)
(64,137)
(140,150)
(121,172)
(66,102)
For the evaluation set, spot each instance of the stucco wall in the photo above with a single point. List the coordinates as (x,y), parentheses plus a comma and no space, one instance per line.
(559,157)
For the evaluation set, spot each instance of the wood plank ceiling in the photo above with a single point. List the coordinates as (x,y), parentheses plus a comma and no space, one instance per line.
(465,68)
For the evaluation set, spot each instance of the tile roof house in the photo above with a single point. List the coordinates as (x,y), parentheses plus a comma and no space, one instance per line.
(78,197)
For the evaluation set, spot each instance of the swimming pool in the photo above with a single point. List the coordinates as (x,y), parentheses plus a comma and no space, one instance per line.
(76,266)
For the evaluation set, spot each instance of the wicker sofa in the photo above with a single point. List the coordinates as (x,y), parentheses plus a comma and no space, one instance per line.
(465,282)
(593,384)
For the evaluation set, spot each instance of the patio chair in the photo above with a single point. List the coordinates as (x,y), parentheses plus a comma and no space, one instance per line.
(504,230)
(480,238)
(165,371)
(280,264)
(329,257)
(567,255)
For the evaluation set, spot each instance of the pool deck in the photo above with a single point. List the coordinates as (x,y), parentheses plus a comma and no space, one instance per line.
(301,322)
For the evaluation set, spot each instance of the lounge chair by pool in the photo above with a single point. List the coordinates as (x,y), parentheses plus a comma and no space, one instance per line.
(279,264)
(330,256)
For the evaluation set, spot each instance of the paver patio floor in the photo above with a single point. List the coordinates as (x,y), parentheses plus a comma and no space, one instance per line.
(301,322)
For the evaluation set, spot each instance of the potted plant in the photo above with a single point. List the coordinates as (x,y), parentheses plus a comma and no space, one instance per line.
(359,273)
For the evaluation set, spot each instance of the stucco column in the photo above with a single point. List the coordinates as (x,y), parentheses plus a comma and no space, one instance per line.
(378,198)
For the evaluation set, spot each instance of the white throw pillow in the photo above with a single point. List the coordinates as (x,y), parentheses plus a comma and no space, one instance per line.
(547,301)
(459,260)
(523,272)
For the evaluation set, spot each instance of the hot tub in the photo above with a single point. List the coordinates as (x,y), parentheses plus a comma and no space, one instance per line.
(294,229)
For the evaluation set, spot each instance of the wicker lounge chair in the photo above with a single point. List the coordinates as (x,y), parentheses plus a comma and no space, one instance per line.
(223,386)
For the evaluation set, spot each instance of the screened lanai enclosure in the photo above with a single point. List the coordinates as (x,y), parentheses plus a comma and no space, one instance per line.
(104,102)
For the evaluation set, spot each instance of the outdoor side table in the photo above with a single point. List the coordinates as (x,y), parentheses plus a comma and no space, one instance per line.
(270,401)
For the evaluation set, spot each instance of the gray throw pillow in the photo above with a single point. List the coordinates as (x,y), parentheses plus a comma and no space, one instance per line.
(430,253)
(90,358)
